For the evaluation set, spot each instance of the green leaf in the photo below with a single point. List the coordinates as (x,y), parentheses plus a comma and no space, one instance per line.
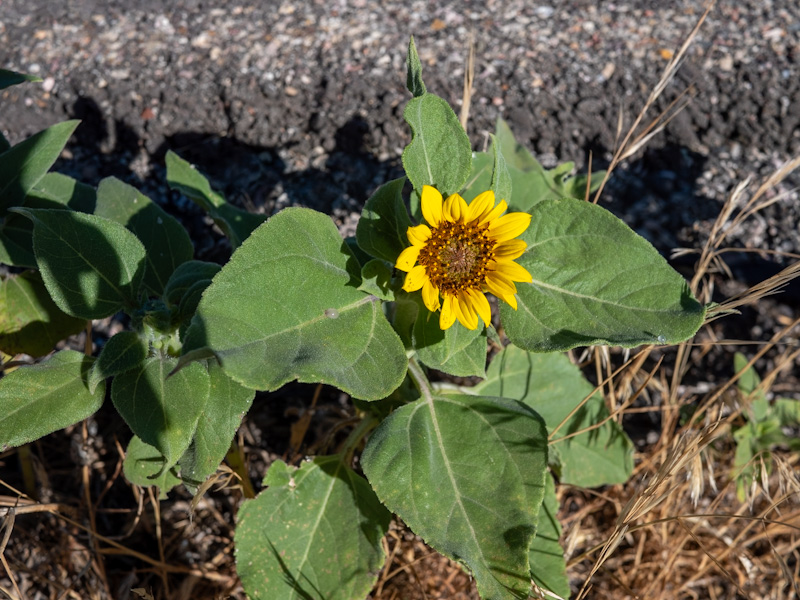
(145,466)
(376,279)
(186,276)
(235,223)
(123,352)
(381,231)
(595,281)
(548,567)
(16,243)
(91,266)
(313,325)
(439,153)
(501,178)
(164,238)
(227,404)
(23,165)
(458,351)
(414,71)
(467,474)
(516,155)
(787,410)
(46,397)
(314,533)
(55,190)
(30,322)
(4,145)
(162,411)
(552,386)
(528,181)
(749,380)
(9,78)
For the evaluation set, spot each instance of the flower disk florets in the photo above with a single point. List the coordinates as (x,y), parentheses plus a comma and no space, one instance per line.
(456,256)
(465,250)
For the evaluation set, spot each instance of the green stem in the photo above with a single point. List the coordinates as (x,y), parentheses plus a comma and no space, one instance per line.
(367,424)
(420,379)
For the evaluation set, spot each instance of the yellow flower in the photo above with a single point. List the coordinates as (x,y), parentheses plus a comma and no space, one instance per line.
(464,251)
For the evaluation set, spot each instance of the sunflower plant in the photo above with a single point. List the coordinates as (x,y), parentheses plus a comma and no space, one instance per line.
(467,248)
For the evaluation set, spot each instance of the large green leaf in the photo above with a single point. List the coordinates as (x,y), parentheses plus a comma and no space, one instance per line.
(595,281)
(235,223)
(30,322)
(46,397)
(381,231)
(439,153)
(552,386)
(91,266)
(164,238)
(286,306)
(467,474)
(144,466)
(23,165)
(4,145)
(9,78)
(55,190)
(315,532)
(548,567)
(517,177)
(227,404)
(457,350)
(162,410)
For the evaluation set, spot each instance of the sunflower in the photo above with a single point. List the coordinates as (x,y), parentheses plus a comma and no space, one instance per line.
(464,251)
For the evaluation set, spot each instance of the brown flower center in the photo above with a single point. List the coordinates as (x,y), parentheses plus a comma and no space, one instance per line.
(456,256)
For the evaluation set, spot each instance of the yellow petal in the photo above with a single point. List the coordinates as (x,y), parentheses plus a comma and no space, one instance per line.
(509,250)
(511,300)
(418,235)
(464,311)
(448,314)
(513,271)
(481,306)
(430,296)
(493,213)
(407,258)
(431,205)
(499,285)
(509,226)
(502,288)
(480,204)
(455,208)
(415,279)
